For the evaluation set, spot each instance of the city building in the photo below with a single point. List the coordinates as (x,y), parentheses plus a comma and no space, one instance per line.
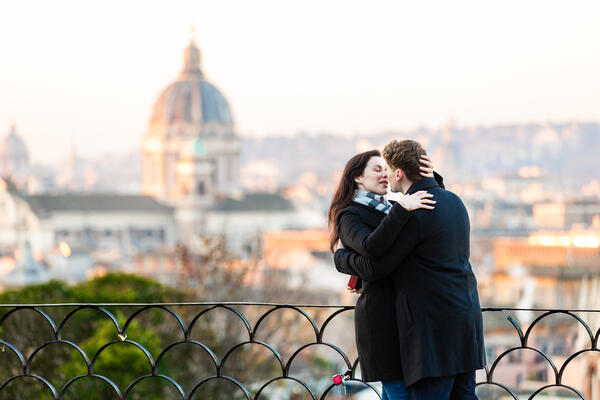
(191,152)
(84,228)
(448,157)
(191,161)
(14,158)
(545,269)
(563,215)
(26,270)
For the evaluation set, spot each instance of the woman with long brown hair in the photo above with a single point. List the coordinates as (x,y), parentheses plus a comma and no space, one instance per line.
(360,217)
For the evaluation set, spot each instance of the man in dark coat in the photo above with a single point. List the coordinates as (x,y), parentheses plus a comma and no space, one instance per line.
(435,291)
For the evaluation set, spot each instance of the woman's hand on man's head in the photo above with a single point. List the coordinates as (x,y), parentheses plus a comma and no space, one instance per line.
(426,167)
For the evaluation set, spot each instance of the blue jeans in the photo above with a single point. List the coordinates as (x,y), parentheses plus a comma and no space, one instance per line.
(394,390)
(455,387)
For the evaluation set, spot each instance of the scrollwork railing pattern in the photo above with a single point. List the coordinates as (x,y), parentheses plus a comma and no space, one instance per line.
(56,317)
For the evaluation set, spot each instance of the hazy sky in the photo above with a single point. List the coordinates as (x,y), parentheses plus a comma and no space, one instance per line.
(91,70)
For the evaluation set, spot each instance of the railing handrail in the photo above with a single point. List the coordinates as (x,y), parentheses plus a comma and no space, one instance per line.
(177,304)
(266,304)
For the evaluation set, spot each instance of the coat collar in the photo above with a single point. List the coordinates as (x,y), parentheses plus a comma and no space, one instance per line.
(423,184)
(370,216)
(370,209)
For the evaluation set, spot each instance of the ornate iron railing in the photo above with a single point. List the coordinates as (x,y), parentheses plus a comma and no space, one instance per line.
(568,338)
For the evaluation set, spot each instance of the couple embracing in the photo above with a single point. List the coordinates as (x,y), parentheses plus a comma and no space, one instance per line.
(418,320)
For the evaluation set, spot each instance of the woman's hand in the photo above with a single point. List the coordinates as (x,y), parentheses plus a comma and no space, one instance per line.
(351,290)
(420,199)
(426,167)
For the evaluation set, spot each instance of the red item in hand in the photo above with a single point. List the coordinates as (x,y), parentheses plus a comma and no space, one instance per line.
(353,281)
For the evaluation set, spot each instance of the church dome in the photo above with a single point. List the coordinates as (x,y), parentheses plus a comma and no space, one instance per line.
(191,141)
(191,99)
(13,147)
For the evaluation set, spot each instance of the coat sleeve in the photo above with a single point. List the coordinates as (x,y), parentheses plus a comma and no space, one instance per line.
(372,269)
(359,237)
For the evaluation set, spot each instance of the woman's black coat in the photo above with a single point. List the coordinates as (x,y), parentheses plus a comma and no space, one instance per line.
(366,230)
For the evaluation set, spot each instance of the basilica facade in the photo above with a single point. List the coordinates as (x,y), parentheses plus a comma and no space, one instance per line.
(191,152)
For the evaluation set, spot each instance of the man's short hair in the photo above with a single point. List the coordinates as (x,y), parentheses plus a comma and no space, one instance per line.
(405,155)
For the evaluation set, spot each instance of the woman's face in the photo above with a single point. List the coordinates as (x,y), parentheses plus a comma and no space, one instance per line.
(374,178)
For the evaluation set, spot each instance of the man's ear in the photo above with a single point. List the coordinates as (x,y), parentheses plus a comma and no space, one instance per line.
(399,174)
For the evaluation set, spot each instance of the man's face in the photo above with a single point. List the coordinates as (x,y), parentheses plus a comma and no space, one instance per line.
(394,183)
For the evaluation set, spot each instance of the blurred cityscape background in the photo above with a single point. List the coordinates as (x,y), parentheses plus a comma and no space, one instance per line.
(198,193)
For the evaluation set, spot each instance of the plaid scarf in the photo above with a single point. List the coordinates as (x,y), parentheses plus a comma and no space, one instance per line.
(372,200)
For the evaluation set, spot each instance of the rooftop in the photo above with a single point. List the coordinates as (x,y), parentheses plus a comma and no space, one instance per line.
(255,202)
(41,204)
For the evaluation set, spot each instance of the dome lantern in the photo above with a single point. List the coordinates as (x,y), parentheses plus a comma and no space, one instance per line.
(191,60)
(13,130)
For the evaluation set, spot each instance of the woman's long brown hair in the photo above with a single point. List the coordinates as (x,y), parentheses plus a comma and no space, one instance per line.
(345,191)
